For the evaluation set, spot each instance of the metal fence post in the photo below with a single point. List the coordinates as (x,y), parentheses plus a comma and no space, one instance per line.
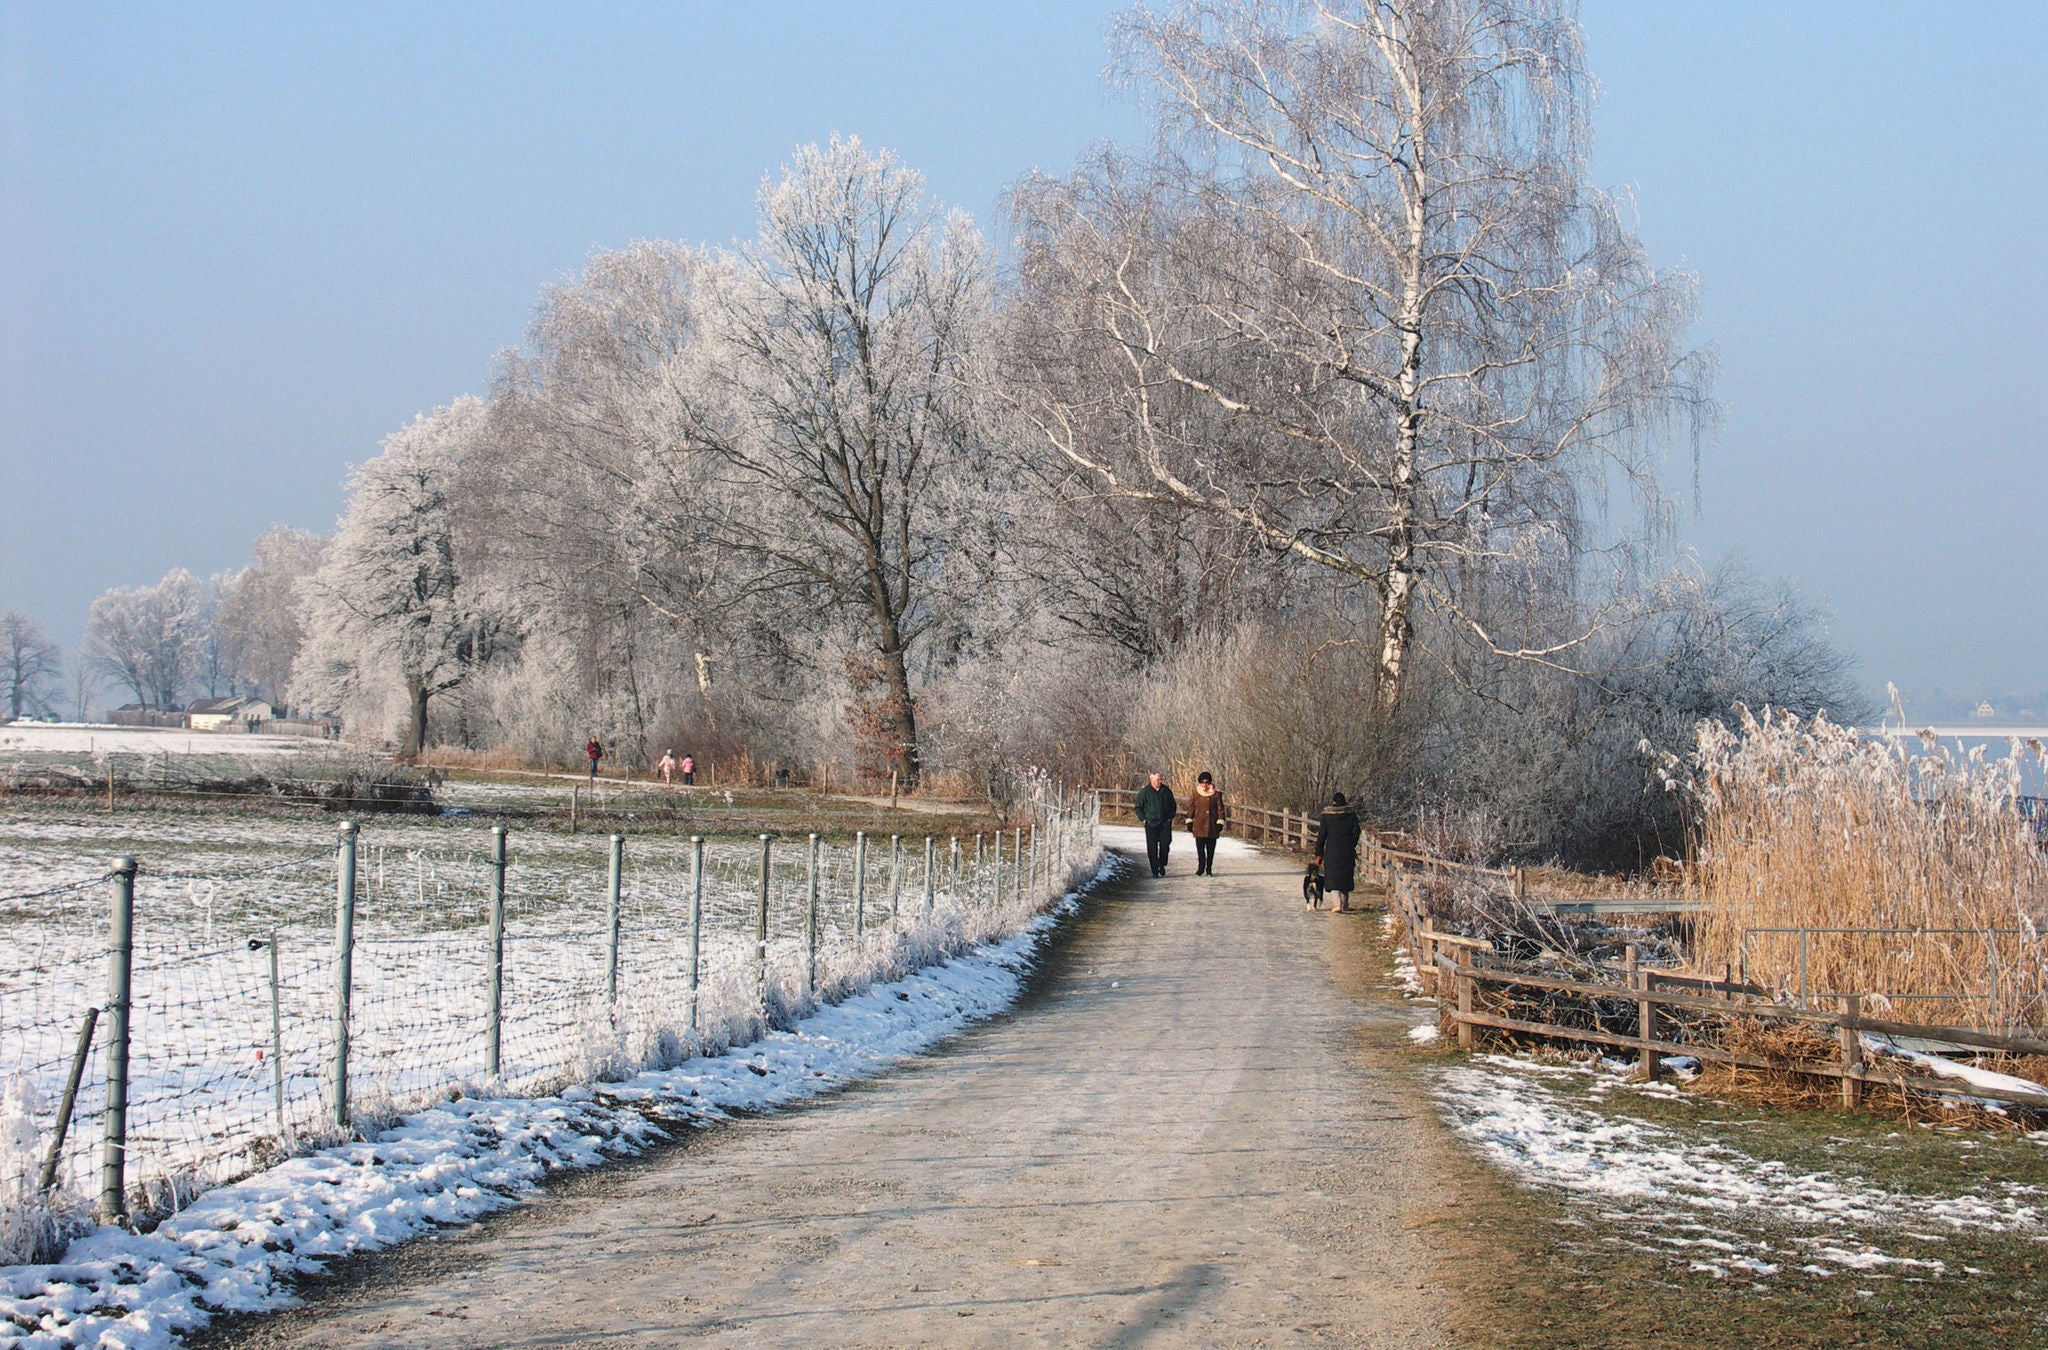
(1997,995)
(696,919)
(896,881)
(953,871)
(976,888)
(494,1015)
(995,890)
(344,963)
(927,878)
(611,919)
(811,923)
(860,883)
(1034,876)
(120,964)
(276,1036)
(761,930)
(1017,864)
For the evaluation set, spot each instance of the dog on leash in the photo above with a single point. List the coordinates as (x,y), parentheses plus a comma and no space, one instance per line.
(1312,885)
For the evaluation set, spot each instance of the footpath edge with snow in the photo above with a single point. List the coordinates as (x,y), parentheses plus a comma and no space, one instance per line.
(237,1248)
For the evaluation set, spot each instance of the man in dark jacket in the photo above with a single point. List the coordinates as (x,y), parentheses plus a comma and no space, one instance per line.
(1337,850)
(1157,809)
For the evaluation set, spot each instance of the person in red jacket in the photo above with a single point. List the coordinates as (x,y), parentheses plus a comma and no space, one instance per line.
(593,751)
(1205,823)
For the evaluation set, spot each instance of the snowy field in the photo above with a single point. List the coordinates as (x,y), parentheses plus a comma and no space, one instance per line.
(237,1248)
(216,1092)
(80,742)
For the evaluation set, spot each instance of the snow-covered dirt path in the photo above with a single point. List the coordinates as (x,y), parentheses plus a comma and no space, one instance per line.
(1174,1141)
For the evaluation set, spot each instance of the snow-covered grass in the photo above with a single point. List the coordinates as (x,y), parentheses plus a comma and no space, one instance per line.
(76,740)
(203,1097)
(237,1248)
(1668,1172)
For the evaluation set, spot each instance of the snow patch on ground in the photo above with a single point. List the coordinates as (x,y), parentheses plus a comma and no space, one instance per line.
(1687,1195)
(237,1248)
(1406,975)
(1948,1068)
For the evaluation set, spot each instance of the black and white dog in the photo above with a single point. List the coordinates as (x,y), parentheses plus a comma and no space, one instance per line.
(1312,885)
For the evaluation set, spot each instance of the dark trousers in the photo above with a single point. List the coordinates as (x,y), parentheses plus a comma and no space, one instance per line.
(1158,843)
(1205,854)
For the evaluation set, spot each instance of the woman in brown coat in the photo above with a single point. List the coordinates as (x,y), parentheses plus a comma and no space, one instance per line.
(1205,823)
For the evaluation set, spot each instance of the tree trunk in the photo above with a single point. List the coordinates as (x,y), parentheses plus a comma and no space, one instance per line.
(1397,593)
(416,726)
(904,758)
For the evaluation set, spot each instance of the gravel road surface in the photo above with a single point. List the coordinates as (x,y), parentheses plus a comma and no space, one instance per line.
(1176,1139)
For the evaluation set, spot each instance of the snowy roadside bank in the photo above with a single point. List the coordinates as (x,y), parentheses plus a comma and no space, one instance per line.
(1684,1190)
(237,1248)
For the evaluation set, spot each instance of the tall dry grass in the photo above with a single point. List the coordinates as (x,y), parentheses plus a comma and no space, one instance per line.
(1812,825)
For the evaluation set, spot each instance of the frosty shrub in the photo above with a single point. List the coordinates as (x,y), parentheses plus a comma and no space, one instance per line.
(1806,824)
(33,1227)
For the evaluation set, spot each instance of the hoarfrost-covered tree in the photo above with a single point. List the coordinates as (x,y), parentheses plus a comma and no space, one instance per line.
(81,684)
(256,621)
(1363,305)
(149,638)
(593,537)
(29,663)
(388,604)
(830,419)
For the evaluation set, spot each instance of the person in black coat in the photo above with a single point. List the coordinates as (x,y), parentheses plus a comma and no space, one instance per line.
(1337,850)
(1155,810)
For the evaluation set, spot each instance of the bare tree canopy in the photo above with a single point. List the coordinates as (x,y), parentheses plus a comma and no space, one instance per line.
(389,604)
(830,414)
(1361,303)
(1317,443)
(149,638)
(256,622)
(29,663)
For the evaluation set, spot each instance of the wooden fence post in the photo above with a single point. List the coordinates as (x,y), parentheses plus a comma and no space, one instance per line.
(1852,1052)
(1646,1026)
(1464,998)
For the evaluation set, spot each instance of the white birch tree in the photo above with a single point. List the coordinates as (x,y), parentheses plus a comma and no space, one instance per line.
(1362,304)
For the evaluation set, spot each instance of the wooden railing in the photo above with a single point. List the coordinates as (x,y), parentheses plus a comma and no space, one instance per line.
(1458,969)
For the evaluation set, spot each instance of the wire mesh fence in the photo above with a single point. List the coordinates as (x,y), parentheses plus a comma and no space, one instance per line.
(233,1018)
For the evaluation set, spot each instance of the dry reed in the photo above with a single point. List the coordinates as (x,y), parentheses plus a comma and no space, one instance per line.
(1920,852)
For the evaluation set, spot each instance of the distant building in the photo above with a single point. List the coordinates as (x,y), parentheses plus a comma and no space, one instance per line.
(228,714)
(1984,711)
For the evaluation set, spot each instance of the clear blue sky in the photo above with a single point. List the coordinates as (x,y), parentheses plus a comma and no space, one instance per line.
(237,246)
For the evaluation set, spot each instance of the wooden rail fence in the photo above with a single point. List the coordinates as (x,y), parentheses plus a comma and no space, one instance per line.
(1456,969)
